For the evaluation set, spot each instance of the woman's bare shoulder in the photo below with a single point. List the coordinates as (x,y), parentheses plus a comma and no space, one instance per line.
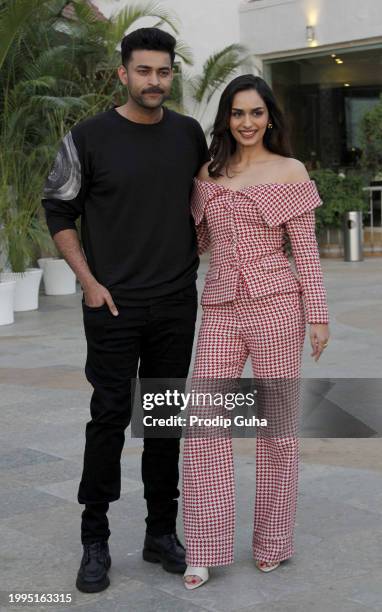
(295,170)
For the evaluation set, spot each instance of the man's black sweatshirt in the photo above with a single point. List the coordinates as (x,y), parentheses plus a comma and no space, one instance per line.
(131,184)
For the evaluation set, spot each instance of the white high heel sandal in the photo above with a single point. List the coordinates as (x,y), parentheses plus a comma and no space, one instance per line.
(268,567)
(197,572)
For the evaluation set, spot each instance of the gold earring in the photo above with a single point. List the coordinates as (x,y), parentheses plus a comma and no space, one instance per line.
(270,125)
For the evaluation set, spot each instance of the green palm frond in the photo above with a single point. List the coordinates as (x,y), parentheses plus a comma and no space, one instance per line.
(216,70)
(63,103)
(50,61)
(121,22)
(13,16)
(85,13)
(27,88)
(184,52)
(20,189)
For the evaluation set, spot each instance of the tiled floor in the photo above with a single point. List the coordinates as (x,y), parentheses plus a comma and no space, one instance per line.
(44,406)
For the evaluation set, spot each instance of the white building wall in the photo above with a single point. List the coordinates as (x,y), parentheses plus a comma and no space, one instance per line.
(273,27)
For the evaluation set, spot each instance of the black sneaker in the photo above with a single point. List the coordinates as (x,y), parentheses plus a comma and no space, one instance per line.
(92,576)
(167,550)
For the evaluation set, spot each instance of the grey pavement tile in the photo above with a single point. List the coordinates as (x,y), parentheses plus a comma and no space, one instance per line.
(7,445)
(32,565)
(130,442)
(44,399)
(61,524)
(330,516)
(53,377)
(60,442)
(54,307)
(57,525)
(127,523)
(68,488)
(47,357)
(131,462)
(66,442)
(361,489)
(46,439)
(22,499)
(352,555)
(314,602)
(8,483)
(132,596)
(24,360)
(24,456)
(44,473)
(66,448)
(309,472)
(365,592)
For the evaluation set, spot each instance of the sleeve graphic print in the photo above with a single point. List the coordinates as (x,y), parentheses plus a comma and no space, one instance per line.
(64,180)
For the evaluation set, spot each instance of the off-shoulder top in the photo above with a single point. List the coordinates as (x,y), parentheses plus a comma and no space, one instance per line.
(246,231)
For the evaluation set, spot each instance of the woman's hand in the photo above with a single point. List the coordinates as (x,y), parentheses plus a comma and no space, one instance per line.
(319,338)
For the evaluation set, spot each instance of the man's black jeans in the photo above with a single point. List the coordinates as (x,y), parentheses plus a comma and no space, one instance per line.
(156,341)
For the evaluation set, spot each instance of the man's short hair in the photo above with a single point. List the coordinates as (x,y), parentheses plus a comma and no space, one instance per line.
(147,39)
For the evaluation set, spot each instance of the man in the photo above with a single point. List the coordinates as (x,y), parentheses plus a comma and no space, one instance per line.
(128,173)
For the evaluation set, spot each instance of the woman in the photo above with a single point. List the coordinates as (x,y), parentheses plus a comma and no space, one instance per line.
(246,202)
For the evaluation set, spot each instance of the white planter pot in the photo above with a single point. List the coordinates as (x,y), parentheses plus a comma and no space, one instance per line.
(59,278)
(7,298)
(26,290)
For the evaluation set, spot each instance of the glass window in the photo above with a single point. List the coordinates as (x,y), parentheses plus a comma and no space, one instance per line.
(324,97)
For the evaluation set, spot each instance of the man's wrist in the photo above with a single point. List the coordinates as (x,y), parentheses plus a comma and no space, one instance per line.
(88,284)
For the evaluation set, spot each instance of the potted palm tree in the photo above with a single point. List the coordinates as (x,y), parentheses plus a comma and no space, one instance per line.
(21,231)
(7,289)
(57,68)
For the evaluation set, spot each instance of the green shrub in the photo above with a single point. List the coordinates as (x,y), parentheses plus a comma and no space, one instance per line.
(371,139)
(339,194)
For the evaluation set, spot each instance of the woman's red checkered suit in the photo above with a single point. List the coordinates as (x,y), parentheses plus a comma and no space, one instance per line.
(253,306)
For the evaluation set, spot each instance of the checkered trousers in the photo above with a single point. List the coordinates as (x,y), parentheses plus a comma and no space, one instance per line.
(270,330)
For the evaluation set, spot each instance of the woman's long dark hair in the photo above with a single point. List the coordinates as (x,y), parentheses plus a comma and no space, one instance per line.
(223,145)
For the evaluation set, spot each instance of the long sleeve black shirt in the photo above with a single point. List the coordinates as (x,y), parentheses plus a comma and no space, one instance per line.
(131,184)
